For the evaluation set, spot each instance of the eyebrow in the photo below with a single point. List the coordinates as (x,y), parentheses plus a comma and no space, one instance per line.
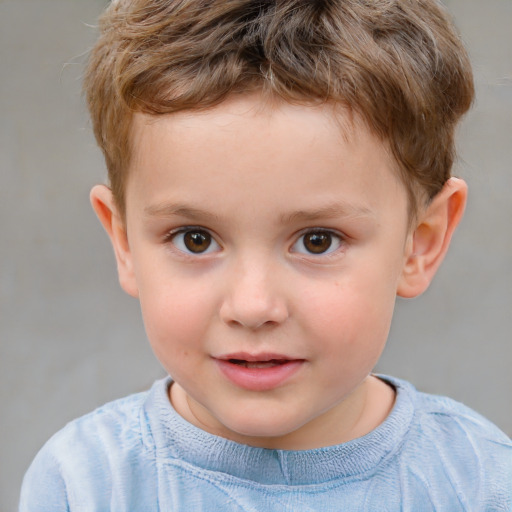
(330,211)
(180,210)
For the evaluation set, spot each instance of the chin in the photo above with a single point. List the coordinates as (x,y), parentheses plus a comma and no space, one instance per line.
(257,431)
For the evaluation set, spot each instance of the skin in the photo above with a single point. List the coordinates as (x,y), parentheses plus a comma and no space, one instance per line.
(256,184)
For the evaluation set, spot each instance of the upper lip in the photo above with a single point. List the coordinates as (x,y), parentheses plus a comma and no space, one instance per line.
(260,357)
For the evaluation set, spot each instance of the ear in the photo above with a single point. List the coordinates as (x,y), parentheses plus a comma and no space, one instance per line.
(104,205)
(429,241)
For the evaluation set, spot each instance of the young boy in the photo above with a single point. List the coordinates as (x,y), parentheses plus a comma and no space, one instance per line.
(279,173)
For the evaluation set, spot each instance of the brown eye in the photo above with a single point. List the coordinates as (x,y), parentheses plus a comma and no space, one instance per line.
(317,242)
(197,241)
(194,241)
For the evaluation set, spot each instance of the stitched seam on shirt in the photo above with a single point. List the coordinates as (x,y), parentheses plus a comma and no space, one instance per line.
(450,476)
(460,419)
(61,473)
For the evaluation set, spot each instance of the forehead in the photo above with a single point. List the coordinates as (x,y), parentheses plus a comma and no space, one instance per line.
(246,144)
(264,116)
(262,113)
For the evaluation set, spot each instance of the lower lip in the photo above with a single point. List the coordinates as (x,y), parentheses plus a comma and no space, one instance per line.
(258,379)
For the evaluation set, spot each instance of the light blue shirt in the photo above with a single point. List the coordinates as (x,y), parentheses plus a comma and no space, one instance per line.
(137,454)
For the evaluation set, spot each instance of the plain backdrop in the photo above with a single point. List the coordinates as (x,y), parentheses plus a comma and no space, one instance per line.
(70,340)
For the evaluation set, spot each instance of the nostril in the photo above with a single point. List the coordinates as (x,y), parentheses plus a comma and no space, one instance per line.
(253,325)
(254,314)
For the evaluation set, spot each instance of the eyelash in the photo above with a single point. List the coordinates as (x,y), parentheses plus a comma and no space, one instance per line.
(335,241)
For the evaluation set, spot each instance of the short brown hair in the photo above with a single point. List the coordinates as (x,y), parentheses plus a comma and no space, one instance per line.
(399,64)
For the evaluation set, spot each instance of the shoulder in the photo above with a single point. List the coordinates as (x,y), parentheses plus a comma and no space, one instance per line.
(454,424)
(453,448)
(115,425)
(77,465)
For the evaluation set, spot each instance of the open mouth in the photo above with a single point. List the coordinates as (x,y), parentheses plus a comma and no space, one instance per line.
(259,364)
(258,372)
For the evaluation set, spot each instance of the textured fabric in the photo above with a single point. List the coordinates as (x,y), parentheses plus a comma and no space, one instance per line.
(137,454)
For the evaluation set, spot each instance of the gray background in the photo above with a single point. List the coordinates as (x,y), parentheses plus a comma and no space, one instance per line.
(71,340)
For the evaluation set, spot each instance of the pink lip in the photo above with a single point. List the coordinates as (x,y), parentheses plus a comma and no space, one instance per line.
(275,369)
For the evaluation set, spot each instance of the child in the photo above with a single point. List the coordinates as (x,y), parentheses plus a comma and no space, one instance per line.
(279,173)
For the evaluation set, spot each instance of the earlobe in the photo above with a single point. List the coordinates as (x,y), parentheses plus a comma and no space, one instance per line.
(104,206)
(429,241)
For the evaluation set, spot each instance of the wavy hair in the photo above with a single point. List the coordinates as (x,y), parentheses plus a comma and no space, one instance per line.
(399,64)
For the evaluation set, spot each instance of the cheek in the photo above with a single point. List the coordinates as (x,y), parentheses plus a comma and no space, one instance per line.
(174,333)
(176,316)
(352,317)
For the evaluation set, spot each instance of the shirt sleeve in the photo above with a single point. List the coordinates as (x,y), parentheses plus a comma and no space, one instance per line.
(44,488)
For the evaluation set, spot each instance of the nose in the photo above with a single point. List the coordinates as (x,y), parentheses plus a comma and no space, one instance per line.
(253,298)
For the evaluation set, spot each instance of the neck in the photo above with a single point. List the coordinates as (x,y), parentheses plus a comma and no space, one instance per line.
(357,415)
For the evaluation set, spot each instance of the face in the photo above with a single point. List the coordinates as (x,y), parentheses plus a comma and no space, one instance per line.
(265,245)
